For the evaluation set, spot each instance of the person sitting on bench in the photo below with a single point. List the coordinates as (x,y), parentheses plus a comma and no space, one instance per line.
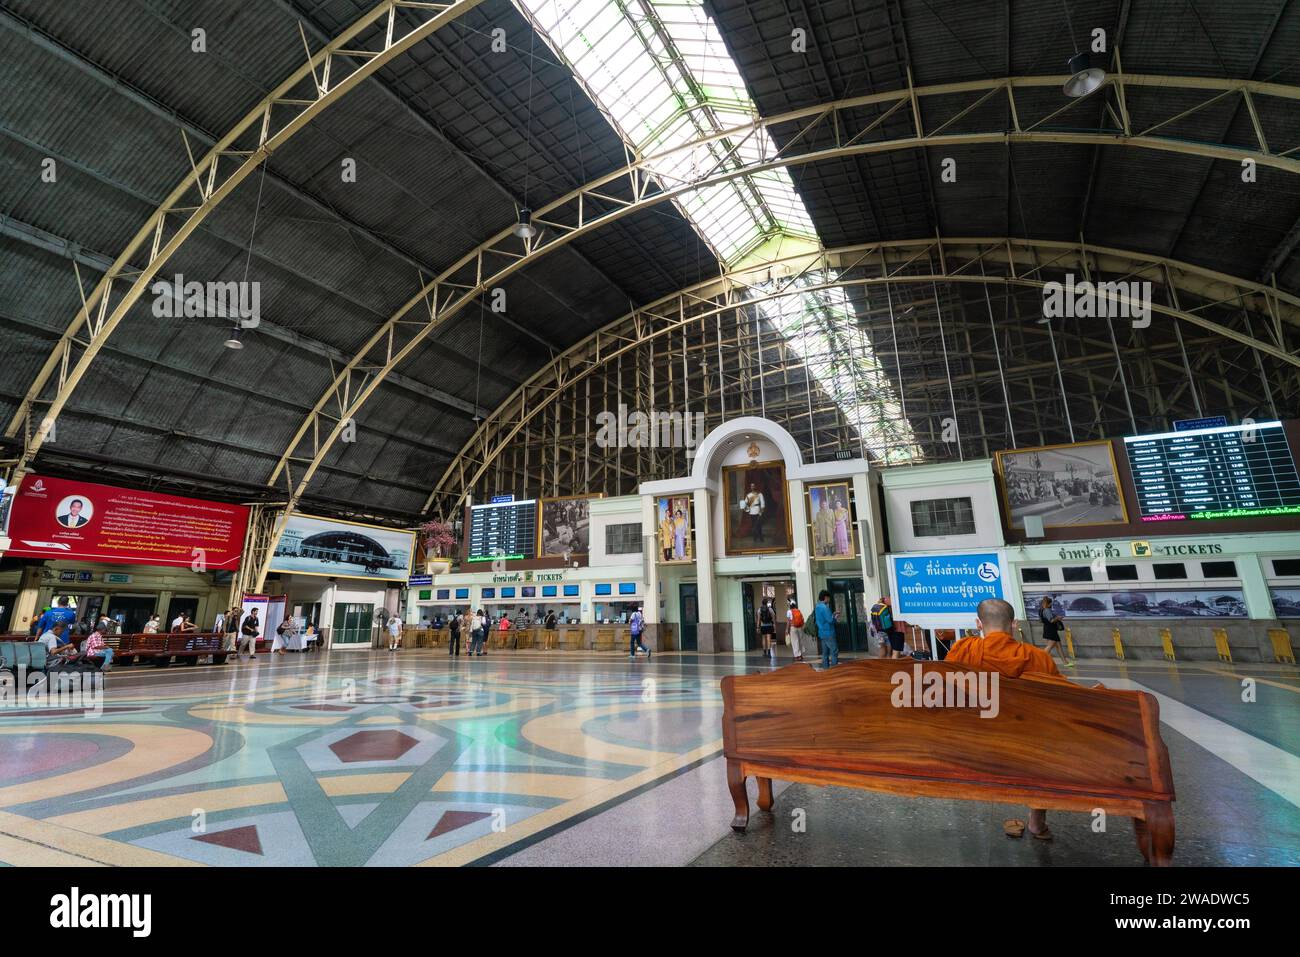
(57,643)
(97,651)
(995,650)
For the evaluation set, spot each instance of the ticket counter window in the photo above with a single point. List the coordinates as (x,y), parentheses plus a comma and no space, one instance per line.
(616,612)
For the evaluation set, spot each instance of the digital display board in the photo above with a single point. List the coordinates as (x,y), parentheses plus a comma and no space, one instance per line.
(503,530)
(1231,472)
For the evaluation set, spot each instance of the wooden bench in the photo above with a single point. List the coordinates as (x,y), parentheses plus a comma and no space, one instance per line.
(162,647)
(1051,745)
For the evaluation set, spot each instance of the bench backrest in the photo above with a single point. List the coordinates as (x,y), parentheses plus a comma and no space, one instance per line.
(29,654)
(1045,734)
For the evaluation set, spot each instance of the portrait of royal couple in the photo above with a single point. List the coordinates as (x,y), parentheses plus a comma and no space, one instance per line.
(675,529)
(832,522)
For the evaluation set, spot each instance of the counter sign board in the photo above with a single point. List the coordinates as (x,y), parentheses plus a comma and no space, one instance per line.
(943,590)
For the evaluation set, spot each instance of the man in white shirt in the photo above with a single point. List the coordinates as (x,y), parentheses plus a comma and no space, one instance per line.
(754,505)
(394,633)
(54,643)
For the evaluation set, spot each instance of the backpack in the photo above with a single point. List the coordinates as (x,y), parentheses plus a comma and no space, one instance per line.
(765,615)
(886,618)
(796,617)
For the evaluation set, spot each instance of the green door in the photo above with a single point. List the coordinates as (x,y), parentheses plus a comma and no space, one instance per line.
(747,609)
(689,594)
(849,602)
(352,624)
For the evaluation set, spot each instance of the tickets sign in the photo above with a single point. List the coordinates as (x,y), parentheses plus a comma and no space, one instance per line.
(69,519)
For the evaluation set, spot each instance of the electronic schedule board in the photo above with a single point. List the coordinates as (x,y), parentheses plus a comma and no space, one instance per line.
(1234,471)
(503,530)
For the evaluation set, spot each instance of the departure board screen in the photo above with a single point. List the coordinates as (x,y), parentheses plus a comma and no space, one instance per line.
(506,530)
(1225,472)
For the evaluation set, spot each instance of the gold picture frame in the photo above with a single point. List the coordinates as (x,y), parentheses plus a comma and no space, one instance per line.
(667,540)
(1008,463)
(542,504)
(769,478)
(824,532)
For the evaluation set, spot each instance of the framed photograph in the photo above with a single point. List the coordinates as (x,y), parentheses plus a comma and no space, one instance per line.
(831,520)
(564,527)
(1068,485)
(324,546)
(757,509)
(673,530)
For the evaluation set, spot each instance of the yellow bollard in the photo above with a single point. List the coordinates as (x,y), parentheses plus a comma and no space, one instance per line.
(1282,650)
(1069,644)
(1167,642)
(1119,645)
(1221,644)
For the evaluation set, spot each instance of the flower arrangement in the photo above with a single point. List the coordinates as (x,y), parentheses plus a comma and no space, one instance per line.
(437,539)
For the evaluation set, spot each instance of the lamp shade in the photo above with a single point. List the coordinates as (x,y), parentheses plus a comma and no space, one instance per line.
(1084,77)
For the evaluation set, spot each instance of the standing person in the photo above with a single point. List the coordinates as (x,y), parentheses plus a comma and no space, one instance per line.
(230,642)
(59,613)
(754,505)
(288,632)
(767,628)
(249,629)
(891,636)
(825,619)
(1052,625)
(637,626)
(794,628)
(842,546)
(679,537)
(478,634)
(824,528)
(453,629)
(151,626)
(666,535)
(394,632)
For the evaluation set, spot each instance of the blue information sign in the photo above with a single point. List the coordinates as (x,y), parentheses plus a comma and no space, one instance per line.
(1209,422)
(945,584)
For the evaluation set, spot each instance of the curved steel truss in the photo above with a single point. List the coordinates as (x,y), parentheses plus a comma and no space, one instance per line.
(843,128)
(712,349)
(377,37)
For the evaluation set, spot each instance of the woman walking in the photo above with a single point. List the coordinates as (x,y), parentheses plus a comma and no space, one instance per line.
(1052,625)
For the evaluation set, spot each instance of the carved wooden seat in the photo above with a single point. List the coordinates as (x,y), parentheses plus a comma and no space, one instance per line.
(1051,745)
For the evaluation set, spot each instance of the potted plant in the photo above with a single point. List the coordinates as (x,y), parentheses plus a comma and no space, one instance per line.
(437,539)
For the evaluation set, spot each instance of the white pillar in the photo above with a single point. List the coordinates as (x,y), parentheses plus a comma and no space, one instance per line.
(704,556)
(875,577)
(803,556)
(649,527)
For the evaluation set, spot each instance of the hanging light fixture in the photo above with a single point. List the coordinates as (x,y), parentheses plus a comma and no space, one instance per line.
(233,342)
(1084,77)
(525,229)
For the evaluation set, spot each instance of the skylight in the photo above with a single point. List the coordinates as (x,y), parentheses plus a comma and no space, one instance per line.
(660,72)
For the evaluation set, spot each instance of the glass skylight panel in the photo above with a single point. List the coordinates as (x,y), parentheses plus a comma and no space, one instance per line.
(664,76)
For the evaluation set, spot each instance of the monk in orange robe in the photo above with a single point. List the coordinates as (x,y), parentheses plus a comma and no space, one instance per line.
(996,650)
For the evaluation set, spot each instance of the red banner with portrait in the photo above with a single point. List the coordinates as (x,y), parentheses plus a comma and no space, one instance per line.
(69,519)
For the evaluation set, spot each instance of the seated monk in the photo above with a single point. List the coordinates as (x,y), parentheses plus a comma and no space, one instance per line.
(995,650)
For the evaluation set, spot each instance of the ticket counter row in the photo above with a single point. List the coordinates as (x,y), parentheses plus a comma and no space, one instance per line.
(575,637)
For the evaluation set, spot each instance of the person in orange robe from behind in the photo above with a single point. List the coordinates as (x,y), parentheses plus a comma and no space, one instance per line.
(996,650)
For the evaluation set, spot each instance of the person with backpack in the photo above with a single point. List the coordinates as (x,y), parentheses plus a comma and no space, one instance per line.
(824,617)
(767,628)
(453,628)
(478,635)
(637,627)
(248,634)
(882,622)
(794,629)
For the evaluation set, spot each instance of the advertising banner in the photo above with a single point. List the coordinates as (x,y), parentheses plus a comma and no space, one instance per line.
(70,519)
(942,591)
(323,546)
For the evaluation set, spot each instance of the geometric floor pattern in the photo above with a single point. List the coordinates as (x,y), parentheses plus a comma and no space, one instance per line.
(375,759)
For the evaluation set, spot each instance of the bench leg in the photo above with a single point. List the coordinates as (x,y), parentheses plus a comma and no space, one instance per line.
(1156,833)
(736,785)
(765,800)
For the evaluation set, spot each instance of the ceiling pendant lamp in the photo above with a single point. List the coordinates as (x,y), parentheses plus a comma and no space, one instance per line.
(1084,77)
(233,342)
(525,229)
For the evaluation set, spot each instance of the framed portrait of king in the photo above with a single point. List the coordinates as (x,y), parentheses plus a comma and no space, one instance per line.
(831,518)
(757,504)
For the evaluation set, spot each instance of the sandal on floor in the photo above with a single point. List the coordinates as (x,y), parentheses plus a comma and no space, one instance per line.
(1013,828)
